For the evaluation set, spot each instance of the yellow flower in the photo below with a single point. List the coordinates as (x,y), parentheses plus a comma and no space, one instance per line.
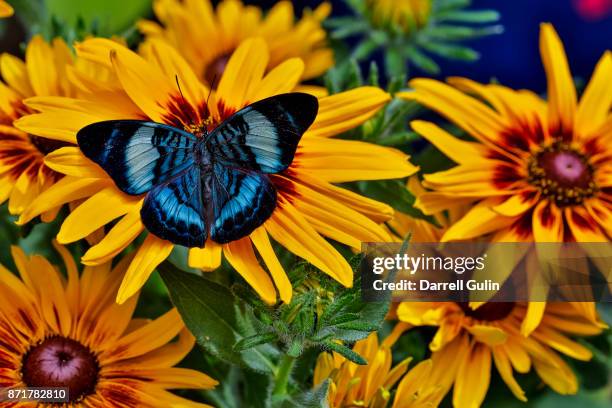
(308,207)
(353,385)
(468,341)
(537,171)
(206,38)
(407,15)
(5,9)
(57,332)
(24,174)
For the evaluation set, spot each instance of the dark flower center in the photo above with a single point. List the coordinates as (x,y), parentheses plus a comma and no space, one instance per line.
(61,362)
(562,174)
(46,146)
(489,312)
(215,69)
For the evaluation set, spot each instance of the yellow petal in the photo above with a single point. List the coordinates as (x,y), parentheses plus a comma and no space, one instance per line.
(116,240)
(243,73)
(460,151)
(40,67)
(290,229)
(5,9)
(346,110)
(64,191)
(207,258)
(470,114)
(279,276)
(71,161)
(533,317)
(151,253)
(547,222)
(281,79)
(145,339)
(489,335)
(375,210)
(175,377)
(596,100)
(480,220)
(95,212)
(339,161)
(15,74)
(241,256)
(561,89)
(470,389)
(502,362)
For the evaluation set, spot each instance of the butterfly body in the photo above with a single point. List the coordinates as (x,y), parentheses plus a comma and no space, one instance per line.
(212,185)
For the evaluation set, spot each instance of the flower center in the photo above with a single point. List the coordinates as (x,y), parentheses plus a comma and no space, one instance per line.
(46,146)
(215,69)
(562,174)
(61,362)
(489,312)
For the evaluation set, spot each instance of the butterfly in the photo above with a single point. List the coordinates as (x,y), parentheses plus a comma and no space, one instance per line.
(207,185)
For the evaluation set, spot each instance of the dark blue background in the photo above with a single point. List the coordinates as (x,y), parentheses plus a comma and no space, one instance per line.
(513,57)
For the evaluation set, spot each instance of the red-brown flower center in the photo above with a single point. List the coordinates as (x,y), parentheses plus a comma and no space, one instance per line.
(61,362)
(215,69)
(562,174)
(489,312)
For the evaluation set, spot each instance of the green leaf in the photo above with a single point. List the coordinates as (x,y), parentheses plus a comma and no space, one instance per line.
(111,16)
(255,340)
(345,352)
(210,312)
(422,61)
(451,51)
(455,33)
(469,16)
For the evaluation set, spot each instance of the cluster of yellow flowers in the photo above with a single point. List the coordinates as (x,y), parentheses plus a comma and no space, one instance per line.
(536,171)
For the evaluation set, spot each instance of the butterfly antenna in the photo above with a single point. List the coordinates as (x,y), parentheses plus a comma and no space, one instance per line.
(212,86)
(178,84)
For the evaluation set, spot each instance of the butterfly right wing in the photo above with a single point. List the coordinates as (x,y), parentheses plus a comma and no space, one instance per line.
(138,155)
(174,210)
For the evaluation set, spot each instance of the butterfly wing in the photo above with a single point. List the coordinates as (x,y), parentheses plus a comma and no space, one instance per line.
(241,201)
(264,136)
(174,210)
(138,155)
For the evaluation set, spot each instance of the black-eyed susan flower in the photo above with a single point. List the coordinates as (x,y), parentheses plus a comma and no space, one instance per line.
(43,73)
(470,341)
(309,207)
(5,9)
(207,37)
(372,385)
(57,332)
(537,171)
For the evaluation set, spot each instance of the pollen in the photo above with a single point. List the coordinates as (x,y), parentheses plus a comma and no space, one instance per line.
(562,173)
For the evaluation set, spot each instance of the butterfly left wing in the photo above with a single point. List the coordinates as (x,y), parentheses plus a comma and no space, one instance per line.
(138,155)
(174,210)
(264,136)
(241,201)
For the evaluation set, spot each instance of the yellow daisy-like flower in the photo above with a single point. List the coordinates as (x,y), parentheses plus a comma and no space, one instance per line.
(407,15)
(57,332)
(206,37)
(469,341)
(308,207)
(353,385)
(5,9)
(23,173)
(537,171)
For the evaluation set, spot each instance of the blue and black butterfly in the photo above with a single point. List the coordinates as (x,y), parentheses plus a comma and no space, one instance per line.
(212,185)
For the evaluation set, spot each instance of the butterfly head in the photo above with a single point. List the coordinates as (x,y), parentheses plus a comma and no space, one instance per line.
(199,129)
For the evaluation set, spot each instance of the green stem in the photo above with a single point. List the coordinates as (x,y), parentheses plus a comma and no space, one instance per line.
(282,375)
